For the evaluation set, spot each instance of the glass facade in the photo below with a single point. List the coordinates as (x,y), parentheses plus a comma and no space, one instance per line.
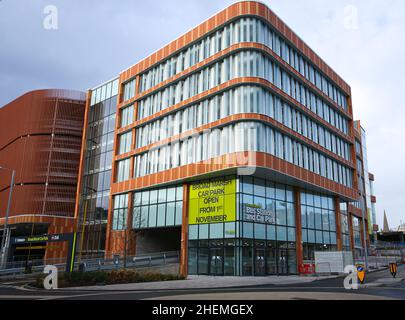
(244,99)
(305,125)
(127,116)
(318,219)
(357,232)
(369,212)
(239,137)
(95,190)
(247,63)
(247,136)
(242,30)
(158,208)
(123,167)
(129,90)
(345,227)
(261,240)
(120,214)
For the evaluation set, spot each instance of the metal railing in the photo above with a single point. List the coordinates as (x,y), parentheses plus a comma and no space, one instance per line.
(96,264)
(378,262)
(322,268)
(131,262)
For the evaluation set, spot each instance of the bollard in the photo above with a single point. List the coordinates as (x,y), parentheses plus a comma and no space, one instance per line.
(82,267)
(393,269)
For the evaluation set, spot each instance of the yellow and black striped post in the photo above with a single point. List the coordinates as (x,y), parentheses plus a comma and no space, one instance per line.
(393,269)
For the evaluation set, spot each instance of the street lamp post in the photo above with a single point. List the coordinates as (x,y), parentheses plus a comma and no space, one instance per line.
(6,231)
(365,241)
(84,225)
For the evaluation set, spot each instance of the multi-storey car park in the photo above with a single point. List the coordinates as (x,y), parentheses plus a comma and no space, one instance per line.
(40,140)
(233,144)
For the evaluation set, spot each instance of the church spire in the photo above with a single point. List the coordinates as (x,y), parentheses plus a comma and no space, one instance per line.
(386,226)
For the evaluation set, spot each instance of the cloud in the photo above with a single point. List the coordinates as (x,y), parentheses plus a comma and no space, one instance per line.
(98,39)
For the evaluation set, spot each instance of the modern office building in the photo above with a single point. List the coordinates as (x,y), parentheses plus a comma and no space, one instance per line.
(40,138)
(234,144)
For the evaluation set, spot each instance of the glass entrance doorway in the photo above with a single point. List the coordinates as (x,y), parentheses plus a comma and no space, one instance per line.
(282,261)
(216,262)
(260,262)
(244,258)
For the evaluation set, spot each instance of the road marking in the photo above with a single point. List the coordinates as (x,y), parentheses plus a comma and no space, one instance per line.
(16,288)
(20,297)
(254,296)
(87,295)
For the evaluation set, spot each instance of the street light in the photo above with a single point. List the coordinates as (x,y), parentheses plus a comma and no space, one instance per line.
(365,241)
(6,231)
(84,222)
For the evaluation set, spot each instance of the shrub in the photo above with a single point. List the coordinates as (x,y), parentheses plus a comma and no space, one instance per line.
(79,279)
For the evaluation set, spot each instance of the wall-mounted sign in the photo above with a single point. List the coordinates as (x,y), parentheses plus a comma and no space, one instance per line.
(45,238)
(213,201)
(255,213)
(52,238)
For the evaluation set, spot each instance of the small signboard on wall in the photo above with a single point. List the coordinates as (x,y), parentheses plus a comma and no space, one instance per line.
(255,213)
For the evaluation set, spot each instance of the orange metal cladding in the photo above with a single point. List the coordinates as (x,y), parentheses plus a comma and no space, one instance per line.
(257,159)
(40,138)
(298,229)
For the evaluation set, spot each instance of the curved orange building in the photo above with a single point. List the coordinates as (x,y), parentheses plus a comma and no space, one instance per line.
(40,138)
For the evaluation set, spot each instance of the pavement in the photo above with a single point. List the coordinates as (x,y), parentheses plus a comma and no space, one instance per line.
(275,296)
(379,286)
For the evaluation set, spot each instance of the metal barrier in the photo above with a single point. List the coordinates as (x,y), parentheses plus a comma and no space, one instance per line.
(323,268)
(96,264)
(378,262)
(131,262)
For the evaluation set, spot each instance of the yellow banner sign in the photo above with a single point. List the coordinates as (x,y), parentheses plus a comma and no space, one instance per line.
(213,201)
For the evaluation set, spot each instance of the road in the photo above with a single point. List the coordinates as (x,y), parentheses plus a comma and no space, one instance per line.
(329,289)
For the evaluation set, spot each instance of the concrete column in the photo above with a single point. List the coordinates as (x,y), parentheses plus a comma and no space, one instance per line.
(131,236)
(298,224)
(350,221)
(338,225)
(184,233)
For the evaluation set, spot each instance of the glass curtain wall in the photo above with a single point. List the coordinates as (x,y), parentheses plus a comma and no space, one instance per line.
(158,208)
(345,227)
(95,190)
(242,30)
(260,242)
(244,136)
(318,224)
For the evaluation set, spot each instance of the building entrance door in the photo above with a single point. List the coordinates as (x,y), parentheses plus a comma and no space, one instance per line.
(282,261)
(216,262)
(260,262)
(271,256)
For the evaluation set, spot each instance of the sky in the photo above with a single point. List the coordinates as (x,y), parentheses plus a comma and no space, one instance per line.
(362,40)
